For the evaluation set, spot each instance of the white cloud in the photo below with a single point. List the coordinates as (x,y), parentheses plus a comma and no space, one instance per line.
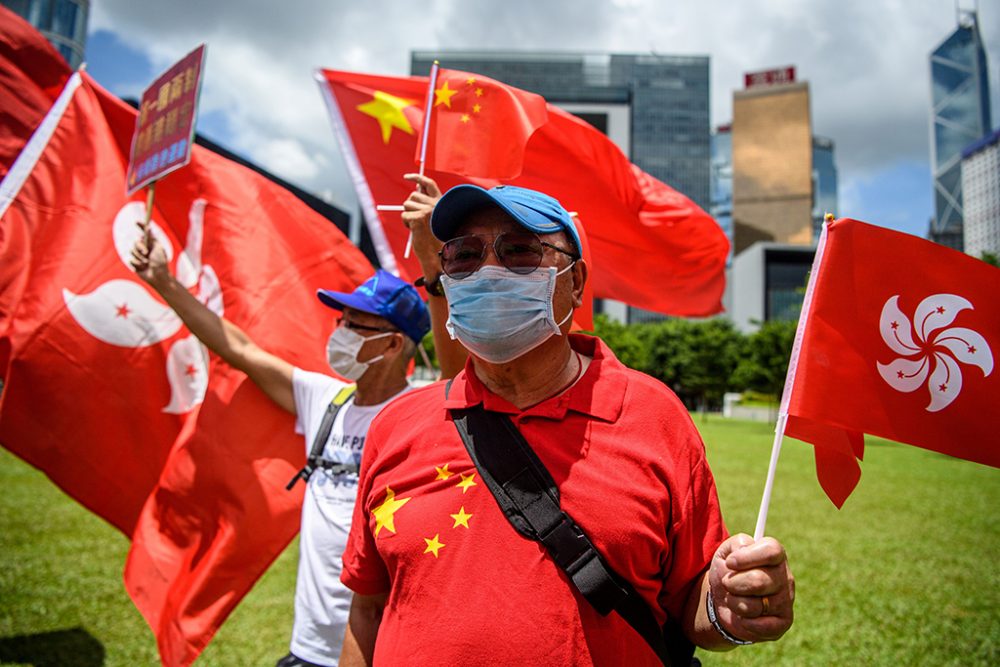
(866,60)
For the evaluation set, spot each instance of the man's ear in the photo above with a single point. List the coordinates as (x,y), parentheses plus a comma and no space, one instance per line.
(396,343)
(580,273)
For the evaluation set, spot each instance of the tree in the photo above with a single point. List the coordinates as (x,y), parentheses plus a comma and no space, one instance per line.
(695,359)
(623,340)
(763,362)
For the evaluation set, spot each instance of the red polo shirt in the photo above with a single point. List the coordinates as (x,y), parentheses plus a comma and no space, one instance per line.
(464,587)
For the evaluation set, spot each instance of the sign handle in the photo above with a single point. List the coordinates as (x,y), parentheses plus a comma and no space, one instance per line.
(150,192)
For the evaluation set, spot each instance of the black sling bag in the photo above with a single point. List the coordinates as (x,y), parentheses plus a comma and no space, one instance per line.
(315,458)
(529,498)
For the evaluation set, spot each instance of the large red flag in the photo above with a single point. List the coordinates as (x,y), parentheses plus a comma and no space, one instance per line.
(33,74)
(480,127)
(898,341)
(652,247)
(108,394)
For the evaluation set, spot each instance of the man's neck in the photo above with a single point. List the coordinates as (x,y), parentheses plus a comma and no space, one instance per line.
(535,376)
(378,385)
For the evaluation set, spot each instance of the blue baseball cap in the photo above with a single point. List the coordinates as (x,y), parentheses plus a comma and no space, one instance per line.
(533,210)
(387,296)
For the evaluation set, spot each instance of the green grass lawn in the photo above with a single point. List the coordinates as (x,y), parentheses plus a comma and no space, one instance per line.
(903,575)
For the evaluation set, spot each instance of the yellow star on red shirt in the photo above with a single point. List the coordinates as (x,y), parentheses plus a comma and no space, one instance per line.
(433,545)
(461,519)
(385,513)
(467,482)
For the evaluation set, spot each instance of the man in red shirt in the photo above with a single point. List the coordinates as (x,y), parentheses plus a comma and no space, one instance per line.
(440,575)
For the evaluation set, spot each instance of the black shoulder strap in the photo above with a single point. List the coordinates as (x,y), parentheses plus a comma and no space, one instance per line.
(529,498)
(319,442)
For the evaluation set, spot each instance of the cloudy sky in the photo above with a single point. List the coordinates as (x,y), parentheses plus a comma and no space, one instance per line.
(866,62)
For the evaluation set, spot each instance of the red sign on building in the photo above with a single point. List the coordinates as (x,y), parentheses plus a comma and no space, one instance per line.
(164,128)
(769,77)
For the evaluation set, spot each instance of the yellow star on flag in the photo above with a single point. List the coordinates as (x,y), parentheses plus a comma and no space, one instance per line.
(476,108)
(443,472)
(479,92)
(384,513)
(467,481)
(388,111)
(465,118)
(433,545)
(471,80)
(443,95)
(461,519)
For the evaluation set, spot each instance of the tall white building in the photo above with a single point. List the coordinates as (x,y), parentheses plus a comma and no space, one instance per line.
(981,189)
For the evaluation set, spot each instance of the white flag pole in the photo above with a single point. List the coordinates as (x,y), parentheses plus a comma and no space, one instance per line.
(428,107)
(786,395)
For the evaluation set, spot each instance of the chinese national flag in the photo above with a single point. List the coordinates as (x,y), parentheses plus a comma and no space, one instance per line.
(33,74)
(898,340)
(107,393)
(480,127)
(652,247)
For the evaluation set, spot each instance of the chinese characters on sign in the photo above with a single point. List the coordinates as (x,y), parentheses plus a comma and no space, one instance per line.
(769,77)
(165,126)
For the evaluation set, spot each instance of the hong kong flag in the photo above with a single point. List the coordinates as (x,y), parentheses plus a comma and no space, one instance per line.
(108,394)
(651,246)
(897,339)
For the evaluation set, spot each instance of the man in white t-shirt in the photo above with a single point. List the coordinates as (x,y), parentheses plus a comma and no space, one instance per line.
(383,321)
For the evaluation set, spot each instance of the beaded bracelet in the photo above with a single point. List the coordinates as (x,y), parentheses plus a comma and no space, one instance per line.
(718,626)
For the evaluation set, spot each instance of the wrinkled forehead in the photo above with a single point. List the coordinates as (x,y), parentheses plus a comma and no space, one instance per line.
(493,220)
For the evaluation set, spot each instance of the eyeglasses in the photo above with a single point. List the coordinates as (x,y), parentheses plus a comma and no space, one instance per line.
(364,327)
(520,252)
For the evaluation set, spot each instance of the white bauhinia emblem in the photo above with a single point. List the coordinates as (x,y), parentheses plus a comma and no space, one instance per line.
(931,352)
(124,312)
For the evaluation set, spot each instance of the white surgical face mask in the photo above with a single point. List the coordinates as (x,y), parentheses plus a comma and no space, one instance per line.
(342,352)
(499,315)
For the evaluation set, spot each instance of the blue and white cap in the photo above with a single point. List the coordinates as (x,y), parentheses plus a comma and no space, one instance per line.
(533,210)
(387,296)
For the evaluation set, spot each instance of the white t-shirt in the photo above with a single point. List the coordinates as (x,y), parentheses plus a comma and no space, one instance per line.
(322,603)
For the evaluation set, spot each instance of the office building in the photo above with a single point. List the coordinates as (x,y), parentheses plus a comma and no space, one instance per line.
(772,161)
(721,182)
(824,183)
(63,22)
(960,115)
(767,282)
(981,192)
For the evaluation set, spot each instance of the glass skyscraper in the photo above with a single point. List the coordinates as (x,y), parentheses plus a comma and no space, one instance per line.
(721,185)
(63,22)
(960,115)
(824,183)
